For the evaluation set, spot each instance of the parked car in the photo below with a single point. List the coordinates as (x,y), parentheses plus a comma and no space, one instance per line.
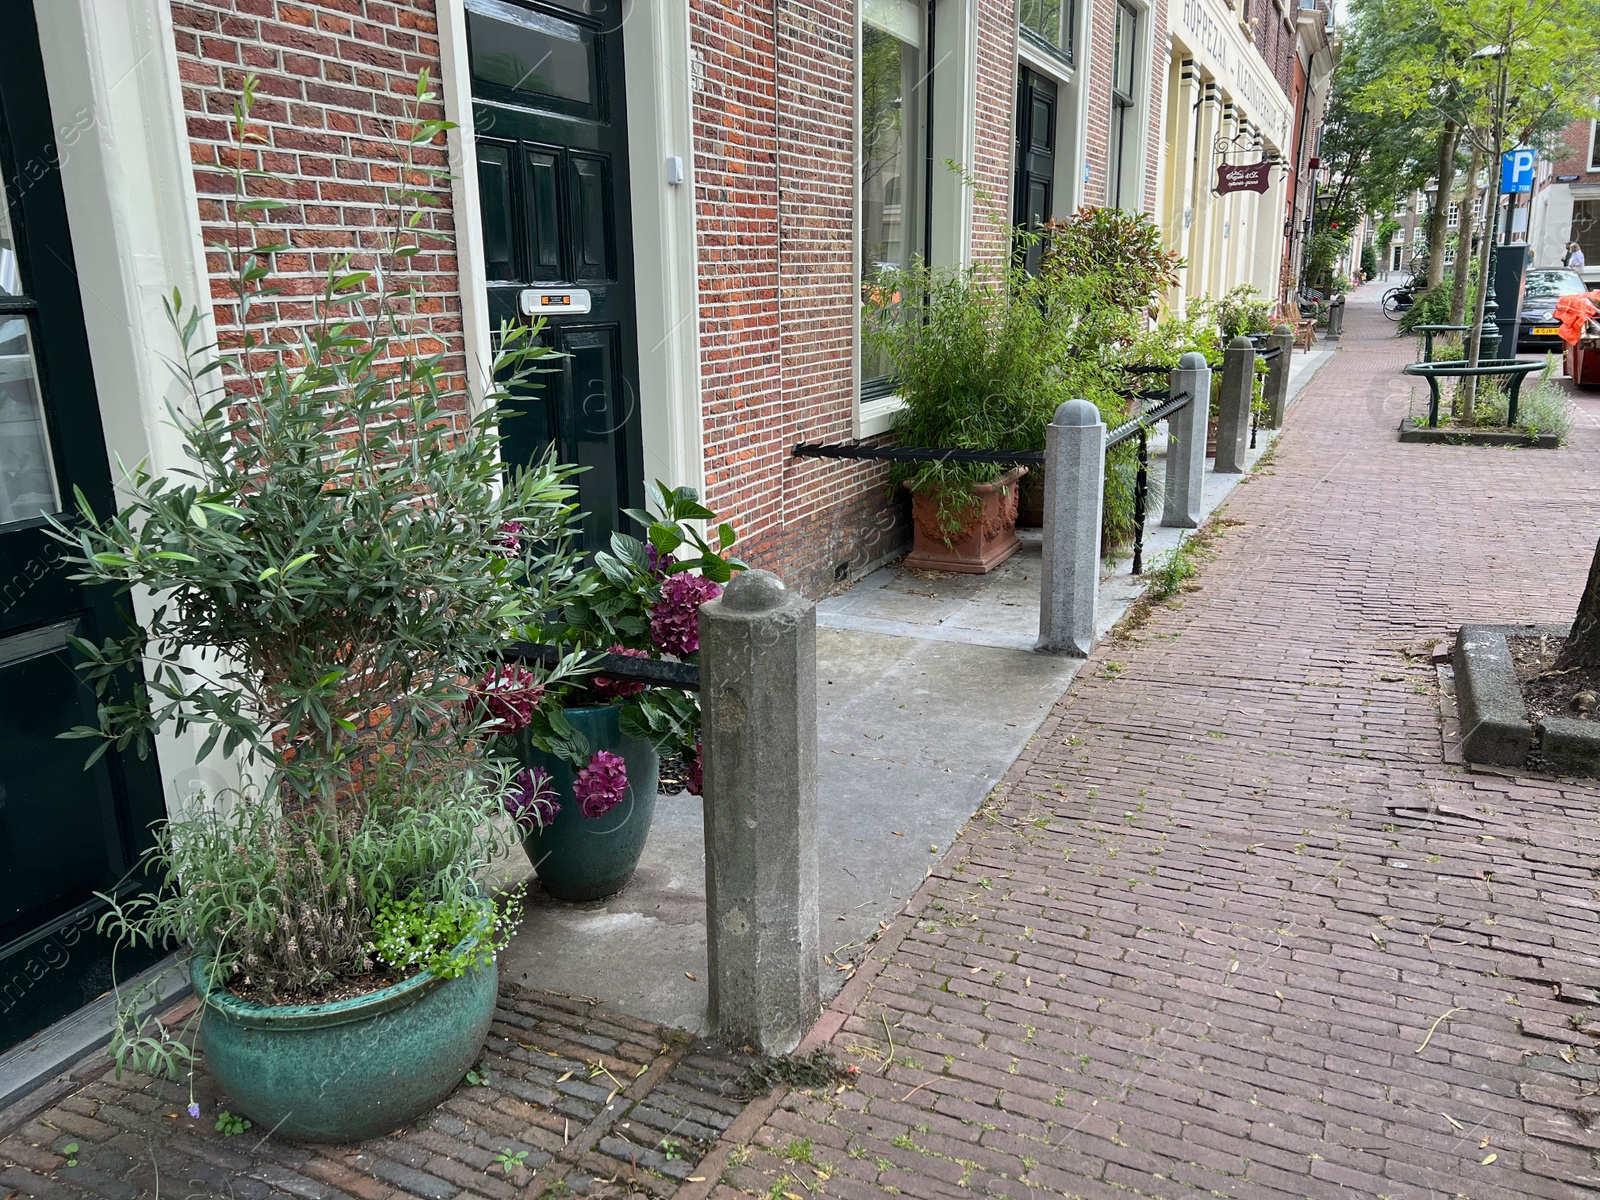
(1537,328)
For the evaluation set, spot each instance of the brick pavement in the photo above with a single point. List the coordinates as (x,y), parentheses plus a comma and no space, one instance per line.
(579,1100)
(1232,926)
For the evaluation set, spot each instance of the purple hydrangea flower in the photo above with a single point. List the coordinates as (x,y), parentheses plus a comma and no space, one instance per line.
(675,618)
(531,802)
(657,562)
(602,785)
(616,689)
(509,538)
(194,1110)
(694,772)
(507,696)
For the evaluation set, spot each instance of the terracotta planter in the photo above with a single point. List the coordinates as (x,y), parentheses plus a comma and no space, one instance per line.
(982,544)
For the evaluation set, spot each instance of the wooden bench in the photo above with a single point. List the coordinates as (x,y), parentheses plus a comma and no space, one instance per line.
(1512,369)
(1305,328)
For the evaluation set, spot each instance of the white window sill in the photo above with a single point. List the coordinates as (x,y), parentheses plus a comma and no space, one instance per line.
(876,416)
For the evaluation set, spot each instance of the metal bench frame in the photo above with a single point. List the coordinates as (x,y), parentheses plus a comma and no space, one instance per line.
(1516,370)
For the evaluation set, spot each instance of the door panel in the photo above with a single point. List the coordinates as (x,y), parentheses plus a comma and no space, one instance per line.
(1033,198)
(553,169)
(66,832)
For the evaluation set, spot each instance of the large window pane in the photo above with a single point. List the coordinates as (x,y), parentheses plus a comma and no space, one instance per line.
(893,102)
(1050,21)
(27,480)
(1586,228)
(526,51)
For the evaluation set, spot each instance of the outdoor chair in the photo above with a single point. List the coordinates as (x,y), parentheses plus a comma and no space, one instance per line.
(1305,328)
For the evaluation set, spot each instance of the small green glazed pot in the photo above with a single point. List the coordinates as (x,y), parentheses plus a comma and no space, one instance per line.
(350,1069)
(583,858)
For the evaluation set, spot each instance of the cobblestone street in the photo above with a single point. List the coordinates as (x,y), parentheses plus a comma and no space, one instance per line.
(1237,924)
(1233,926)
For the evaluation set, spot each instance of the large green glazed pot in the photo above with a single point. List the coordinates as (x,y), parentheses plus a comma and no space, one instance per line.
(349,1069)
(582,858)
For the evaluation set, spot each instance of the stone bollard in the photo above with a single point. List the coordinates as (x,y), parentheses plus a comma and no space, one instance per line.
(1336,319)
(1233,406)
(758,690)
(1186,443)
(1075,485)
(1277,396)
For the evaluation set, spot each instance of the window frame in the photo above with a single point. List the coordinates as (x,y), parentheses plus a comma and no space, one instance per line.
(1594,145)
(877,392)
(1067,53)
(1122,103)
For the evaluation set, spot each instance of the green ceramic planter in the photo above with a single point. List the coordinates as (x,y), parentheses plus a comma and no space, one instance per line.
(579,858)
(351,1069)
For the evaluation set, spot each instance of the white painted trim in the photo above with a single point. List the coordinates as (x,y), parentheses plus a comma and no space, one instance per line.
(136,235)
(954,71)
(455,89)
(877,415)
(1067,188)
(660,83)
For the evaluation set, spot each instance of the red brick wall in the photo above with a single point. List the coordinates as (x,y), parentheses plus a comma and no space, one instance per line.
(774,130)
(1574,158)
(1152,66)
(333,77)
(994,157)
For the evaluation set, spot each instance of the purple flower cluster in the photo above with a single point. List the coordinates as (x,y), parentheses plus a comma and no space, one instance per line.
(602,785)
(694,772)
(616,689)
(656,562)
(675,618)
(531,802)
(509,538)
(507,696)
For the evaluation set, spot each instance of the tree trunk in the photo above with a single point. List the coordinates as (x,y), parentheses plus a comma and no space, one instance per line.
(1583,643)
(1463,267)
(1445,176)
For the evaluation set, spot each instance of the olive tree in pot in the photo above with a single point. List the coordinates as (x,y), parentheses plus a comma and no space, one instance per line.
(325,576)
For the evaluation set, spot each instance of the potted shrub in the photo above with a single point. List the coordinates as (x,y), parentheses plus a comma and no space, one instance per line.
(592,744)
(1102,272)
(325,575)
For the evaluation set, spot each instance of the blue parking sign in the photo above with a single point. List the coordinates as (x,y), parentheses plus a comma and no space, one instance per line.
(1516,171)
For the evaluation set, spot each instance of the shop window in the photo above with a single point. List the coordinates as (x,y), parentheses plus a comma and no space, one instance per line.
(1121,169)
(1586,228)
(894,103)
(1050,22)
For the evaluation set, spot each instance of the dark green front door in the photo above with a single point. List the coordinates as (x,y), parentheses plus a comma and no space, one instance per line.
(549,113)
(65,832)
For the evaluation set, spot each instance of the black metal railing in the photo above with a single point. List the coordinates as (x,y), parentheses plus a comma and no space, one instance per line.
(1138,426)
(656,672)
(1261,356)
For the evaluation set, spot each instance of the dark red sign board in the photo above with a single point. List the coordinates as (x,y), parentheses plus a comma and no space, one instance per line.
(1251,177)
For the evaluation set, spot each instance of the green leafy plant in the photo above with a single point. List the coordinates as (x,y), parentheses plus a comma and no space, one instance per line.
(343,550)
(671,1149)
(1172,570)
(71,1151)
(1120,250)
(509,1160)
(229,1125)
(1239,312)
(478,1076)
(446,940)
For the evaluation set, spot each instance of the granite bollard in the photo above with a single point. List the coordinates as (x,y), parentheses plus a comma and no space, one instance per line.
(758,691)
(1277,392)
(1233,406)
(1181,507)
(1075,481)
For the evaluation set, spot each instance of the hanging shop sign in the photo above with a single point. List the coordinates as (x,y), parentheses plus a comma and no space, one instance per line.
(1244,177)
